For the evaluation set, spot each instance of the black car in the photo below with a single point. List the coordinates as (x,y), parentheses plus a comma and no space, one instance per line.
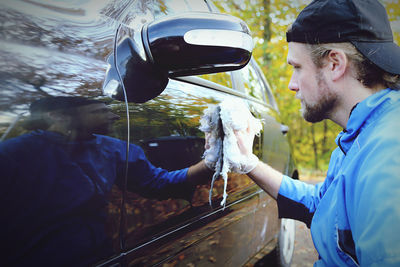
(156,66)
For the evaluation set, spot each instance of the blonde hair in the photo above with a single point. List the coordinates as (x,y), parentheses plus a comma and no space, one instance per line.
(366,72)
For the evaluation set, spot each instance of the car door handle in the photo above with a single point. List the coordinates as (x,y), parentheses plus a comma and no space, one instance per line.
(284,129)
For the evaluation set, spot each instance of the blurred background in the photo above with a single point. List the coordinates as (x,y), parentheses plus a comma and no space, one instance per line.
(268,20)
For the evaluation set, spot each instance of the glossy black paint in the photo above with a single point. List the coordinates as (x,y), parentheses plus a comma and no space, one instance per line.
(165,44)
(186,148)
(60,48)
(141,78)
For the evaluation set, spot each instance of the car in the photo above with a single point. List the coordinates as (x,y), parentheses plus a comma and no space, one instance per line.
(158,65)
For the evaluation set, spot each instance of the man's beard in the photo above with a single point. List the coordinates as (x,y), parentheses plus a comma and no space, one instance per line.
(322,109)
(88,132)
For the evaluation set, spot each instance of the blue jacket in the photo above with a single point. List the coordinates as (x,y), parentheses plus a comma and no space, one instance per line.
(53,195)
(355,213)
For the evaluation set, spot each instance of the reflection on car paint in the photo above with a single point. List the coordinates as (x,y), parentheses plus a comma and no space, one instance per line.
(49,48)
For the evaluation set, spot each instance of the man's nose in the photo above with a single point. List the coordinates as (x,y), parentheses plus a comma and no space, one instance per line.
(293,85)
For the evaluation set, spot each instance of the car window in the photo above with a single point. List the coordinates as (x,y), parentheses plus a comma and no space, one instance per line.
(175,6)
(222,78)
(136,13)
(251,82)
(127,11)
(269,96)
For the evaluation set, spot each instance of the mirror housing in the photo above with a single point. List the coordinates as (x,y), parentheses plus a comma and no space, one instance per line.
(198,43)
(191,43)
(142,79)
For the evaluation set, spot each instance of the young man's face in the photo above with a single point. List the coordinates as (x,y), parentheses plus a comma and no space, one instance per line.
(309,83)
(95,118)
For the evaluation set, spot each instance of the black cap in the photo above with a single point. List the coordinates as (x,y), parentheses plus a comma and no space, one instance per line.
(364,23)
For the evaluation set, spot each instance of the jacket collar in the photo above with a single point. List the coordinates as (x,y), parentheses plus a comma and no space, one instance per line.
(362,115)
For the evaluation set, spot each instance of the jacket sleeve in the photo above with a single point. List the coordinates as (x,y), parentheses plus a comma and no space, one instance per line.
(150,181)
(298,200)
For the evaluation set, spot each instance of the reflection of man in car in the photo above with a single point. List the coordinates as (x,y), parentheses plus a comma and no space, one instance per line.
(54,181)
(74,118)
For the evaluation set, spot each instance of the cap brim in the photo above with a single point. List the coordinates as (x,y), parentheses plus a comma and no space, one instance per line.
(385,55)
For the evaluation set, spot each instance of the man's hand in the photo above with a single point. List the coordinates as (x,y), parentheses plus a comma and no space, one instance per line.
(245,139)
(265,176)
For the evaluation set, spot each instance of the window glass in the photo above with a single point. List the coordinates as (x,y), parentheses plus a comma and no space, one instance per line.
(222,78)
(199,5)
(251,82)
(178,6)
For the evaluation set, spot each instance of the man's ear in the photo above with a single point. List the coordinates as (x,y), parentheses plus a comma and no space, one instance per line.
(337,64)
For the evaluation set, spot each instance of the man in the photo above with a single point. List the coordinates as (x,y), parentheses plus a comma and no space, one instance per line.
(346,69)
(55,180)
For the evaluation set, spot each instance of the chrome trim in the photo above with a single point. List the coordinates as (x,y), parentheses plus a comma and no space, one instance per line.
(212,85)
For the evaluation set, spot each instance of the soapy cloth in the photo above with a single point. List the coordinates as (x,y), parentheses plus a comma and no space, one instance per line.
(219,122)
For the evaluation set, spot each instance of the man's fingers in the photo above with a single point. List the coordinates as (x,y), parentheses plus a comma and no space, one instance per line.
(243,141)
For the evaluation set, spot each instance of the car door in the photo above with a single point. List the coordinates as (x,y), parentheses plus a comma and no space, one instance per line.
(174,229)
(166,128)
(272,143)
(159,229)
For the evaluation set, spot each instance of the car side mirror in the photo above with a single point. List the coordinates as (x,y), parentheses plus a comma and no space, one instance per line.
(191,43)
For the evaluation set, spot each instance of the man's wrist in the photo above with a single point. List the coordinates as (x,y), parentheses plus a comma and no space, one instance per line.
(250,163)
(210,164)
